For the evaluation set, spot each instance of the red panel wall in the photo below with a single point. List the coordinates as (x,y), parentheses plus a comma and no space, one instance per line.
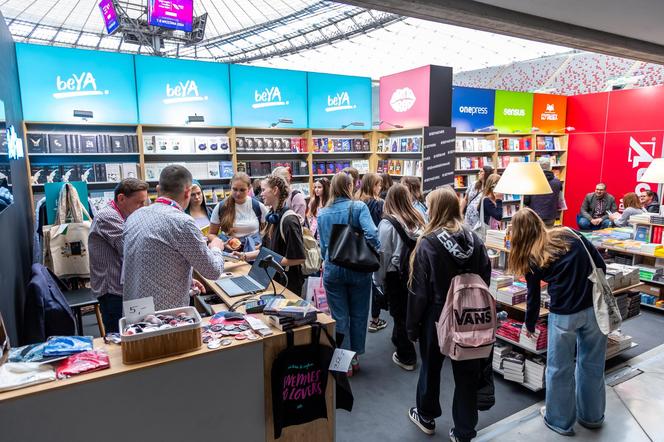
(616,136)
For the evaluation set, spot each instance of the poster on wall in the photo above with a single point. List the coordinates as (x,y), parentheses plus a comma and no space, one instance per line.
(264,97)
(171,90)
(549,113)
(55,82)
(438,160)
(339,101)
(472,108)
(513,112)
(109,15)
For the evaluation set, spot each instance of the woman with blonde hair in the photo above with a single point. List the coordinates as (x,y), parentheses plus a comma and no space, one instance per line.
(348,291)
(492,203)
(632,206)
(402,224)
(239,216)
(576,346)
(446,249)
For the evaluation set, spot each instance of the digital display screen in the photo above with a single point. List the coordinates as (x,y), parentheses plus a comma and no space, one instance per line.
(110,15)
(172,14)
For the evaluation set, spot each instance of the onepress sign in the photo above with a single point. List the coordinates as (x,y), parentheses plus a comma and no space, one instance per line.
(263,96)
(56,81)
(472,108)
(338,100)
(170,90)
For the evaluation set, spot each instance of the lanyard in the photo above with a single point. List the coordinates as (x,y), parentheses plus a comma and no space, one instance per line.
(117,209)
(168,202)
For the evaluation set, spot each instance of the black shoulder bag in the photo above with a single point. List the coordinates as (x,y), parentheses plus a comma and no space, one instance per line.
(350,249)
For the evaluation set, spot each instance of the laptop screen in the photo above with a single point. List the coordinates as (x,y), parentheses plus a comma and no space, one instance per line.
(257,273)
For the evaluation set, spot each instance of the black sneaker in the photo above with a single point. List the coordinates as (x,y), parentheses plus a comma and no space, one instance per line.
(453,438)
(428,426)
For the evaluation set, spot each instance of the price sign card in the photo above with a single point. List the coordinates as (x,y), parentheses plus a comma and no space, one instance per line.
(137,309)
(341,360)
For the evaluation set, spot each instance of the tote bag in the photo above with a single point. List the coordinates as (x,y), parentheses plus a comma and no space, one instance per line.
(350,249)
(605,305)
(481,227)
(66,241)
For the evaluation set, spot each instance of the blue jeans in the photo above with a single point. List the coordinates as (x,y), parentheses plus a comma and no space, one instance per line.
(585,224)
(349,296)
(565,401)
(111,312)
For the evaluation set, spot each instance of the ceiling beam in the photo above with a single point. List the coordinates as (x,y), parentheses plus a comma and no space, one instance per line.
(483,17)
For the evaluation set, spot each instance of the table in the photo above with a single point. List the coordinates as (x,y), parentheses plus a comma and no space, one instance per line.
(221,394)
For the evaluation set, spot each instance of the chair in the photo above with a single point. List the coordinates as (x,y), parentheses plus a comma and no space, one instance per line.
(79,298)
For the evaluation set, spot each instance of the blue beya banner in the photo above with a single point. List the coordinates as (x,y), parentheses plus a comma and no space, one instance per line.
(339,100)
(170,90)
(472,108)
(57,81)
(260,97)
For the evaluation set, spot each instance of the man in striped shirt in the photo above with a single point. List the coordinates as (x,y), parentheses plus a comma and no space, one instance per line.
(162,245)
(106,248)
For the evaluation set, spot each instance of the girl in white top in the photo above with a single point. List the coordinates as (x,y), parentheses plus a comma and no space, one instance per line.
(239,216)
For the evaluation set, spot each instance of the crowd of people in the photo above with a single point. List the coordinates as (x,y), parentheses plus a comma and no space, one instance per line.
(422,245)
(599,209)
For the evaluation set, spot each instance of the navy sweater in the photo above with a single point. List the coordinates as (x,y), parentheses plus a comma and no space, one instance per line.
(569,287)
(491,209)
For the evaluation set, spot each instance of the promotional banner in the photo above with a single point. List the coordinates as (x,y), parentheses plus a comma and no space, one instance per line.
(404,98)
(438,160)
(549,112)
(260,97)
(172,14)
(514,112)
(336,101)
(109,15)
(57,81)
(170,90)
(635,109)
(472,108)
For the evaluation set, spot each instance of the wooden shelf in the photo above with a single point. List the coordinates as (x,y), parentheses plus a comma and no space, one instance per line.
(271,153)
(550,150)
(396,153)
(652,306)
(473,153)
(339,153)
(627,289)
(522,308)
(187,154)
(96,183)
(515,152)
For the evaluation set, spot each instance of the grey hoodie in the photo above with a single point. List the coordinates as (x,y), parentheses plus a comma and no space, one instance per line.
(390,249)
(440,257)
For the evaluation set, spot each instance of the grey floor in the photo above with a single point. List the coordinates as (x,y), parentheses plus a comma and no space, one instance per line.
(384,392)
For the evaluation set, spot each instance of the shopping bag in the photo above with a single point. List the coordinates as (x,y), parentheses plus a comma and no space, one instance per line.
(315,293)
(66,241)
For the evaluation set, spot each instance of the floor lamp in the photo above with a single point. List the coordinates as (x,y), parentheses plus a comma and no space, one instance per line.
(655,174)
(523,178)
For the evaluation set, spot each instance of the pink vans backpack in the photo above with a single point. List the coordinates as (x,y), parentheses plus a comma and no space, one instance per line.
(467,325)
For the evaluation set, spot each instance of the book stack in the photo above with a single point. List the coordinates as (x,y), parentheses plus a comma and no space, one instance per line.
(474,145)
(270,144)
(633,304)
(506,144)
(510,330)
(62,143)
(505,160)
(512,295)
(199,170)
(498,281)
(327,145)
(400,167)
(623,304)
(534,371)
(330,167)
(170,144)
(86,172)
(640,218)
(617,342)
(495,238)
(514,367)
(548,143)
(286,314)
(538,340)
(400,144)
(500,350)
(465,163)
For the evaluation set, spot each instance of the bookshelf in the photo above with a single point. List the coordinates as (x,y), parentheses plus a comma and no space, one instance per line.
(399,152)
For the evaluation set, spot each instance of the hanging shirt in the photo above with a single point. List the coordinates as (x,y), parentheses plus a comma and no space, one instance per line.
(106,244)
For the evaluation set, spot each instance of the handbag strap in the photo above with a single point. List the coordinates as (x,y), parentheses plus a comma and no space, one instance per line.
(350,213)
(592,261)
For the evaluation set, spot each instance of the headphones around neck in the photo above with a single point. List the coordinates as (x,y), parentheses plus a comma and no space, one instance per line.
(274,217)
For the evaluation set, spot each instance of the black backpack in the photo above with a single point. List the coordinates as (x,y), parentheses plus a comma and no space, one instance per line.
(406,249)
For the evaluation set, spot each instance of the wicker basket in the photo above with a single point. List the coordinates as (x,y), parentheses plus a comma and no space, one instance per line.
(161,343)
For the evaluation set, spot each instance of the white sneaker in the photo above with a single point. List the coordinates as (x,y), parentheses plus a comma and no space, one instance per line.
(407,367)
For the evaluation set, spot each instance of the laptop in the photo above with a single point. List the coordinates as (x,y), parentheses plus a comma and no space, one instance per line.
(256,281)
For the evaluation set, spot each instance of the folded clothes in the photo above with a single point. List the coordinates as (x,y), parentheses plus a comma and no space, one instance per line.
(84,362)
(67,345)
(15,375)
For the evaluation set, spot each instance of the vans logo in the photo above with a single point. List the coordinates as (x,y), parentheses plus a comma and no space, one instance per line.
(473,316)
(182,92)
(339,102)
(14,144)
(549,114)
(402,99)
(514,112)
(77,86)
(269,97)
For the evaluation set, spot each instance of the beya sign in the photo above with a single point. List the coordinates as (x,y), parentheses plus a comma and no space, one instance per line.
(77,86)
(186,92)
(269,97)
(14,144)
(341,101)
